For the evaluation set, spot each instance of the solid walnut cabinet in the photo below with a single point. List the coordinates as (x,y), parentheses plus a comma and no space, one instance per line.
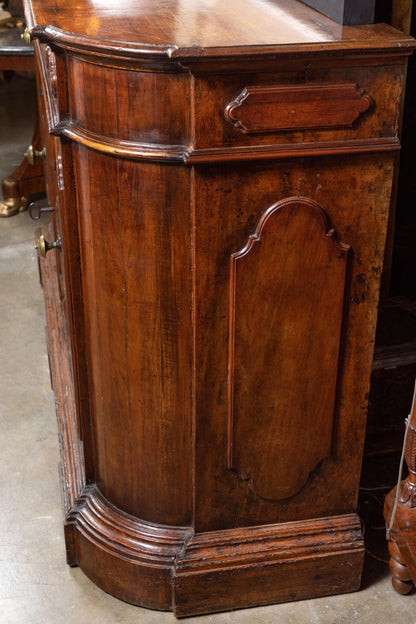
(221,175)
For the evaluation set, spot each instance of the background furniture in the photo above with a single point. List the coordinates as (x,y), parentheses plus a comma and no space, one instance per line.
(402,543)
(346,11)
(28,179)
(221,191)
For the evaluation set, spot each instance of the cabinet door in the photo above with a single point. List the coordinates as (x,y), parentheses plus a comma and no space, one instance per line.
(286,265)
(64,262)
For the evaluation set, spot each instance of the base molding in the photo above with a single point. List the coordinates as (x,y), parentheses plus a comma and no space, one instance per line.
(253,566)
(170,568)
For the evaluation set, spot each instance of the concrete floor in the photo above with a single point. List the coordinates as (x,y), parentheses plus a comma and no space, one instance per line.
(36,585)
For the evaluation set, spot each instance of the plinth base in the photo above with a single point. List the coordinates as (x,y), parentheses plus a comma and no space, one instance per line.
(170,568)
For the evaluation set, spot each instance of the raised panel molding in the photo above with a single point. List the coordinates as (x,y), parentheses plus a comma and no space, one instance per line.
(287,295)
(271,109)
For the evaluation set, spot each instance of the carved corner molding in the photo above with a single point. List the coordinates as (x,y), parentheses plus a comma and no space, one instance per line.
(52,72)
(47,65)
(287,305)
(72,467)
(272,109)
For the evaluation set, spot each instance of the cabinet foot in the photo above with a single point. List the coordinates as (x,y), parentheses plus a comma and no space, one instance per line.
(28,179)
(13,205)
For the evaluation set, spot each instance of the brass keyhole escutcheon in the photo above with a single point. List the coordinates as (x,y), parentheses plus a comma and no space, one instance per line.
(43,246)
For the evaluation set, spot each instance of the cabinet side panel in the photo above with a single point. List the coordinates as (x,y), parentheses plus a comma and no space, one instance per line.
(136,274)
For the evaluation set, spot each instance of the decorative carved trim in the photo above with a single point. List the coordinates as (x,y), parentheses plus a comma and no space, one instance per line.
(408,493)
(197,56)
(52,73)
(72,470)
(190,156)
(408,486)
(329,278)
(297,150)
(294,107)
(127,557)
(47,68)
(266,542)
(104,48)
(117,147)
(401,577)
(60,169)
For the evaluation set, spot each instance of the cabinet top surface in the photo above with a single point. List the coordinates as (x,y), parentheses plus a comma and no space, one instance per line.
(200,27)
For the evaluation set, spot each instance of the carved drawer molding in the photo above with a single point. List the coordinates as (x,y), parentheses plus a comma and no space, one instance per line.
(271,109)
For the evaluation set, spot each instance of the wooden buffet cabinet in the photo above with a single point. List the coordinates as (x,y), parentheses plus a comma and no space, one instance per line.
(221,176)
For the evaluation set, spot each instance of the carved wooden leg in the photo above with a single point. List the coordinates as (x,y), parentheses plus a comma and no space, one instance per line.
(400,516)
(401,579)
(26,180)
(408,486)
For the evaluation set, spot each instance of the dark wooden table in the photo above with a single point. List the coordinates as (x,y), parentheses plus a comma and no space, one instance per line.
(27,179)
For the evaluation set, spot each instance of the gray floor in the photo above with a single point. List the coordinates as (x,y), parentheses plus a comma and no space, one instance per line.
(36,586)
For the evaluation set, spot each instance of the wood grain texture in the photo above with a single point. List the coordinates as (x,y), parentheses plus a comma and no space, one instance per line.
(401,14)
(236,202)
(139,113)
(136,276)
(189,126)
